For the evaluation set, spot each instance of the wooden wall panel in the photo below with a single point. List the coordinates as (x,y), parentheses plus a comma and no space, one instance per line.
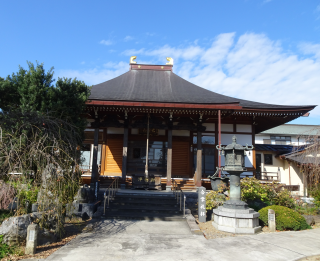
(113,160)
(180,158)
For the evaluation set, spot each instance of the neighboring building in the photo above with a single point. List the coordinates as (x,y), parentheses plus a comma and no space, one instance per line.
(287,134)
(274,150)
(185,123)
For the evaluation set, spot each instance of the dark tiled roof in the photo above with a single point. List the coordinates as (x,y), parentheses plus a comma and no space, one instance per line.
(166,87)
(274,148)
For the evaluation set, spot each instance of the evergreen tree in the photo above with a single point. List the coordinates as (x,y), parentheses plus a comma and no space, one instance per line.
(33,90)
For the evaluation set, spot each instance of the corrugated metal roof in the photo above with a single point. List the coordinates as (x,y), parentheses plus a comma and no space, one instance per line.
(165,86)
(275,148)
(294,129)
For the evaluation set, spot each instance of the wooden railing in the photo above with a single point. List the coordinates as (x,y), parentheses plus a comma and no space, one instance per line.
(268,176)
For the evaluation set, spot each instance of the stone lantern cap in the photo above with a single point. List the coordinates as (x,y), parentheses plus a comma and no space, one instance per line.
(235,146)
(235,154)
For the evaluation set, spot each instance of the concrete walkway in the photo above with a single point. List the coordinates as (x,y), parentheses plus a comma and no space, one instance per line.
(160,240)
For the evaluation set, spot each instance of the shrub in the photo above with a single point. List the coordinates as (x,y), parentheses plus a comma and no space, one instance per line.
(216,198)
(253,191)
(7,194)
(284,198)
(315,193)
(286,218)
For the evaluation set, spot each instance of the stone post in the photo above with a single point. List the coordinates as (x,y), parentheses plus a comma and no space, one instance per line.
(271,220)
(169,161)
(32,236)
(202,204)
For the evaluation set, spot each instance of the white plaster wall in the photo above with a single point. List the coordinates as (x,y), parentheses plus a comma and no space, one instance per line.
(249,160)
(113,130)
(184,133)
(259,138)
(244,128)
(295,174)
(210,126)
(227,127)
(242,139)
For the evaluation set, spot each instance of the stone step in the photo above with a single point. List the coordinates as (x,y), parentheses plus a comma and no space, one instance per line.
(146,208)
(143,216)
(142,203)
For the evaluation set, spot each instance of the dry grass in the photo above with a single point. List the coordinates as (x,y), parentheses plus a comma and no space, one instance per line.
(72,229)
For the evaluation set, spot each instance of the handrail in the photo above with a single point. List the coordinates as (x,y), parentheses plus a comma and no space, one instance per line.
(112,189)
(179,195)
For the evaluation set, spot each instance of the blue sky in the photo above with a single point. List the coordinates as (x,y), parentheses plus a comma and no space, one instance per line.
(266,51)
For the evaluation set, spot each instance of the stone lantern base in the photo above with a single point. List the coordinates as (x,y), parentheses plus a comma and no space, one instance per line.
(237,221)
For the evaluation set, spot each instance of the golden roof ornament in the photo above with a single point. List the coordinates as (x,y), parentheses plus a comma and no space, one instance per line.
(132,58)
(170,61)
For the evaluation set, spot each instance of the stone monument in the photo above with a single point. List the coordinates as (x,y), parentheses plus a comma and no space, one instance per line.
(235,216)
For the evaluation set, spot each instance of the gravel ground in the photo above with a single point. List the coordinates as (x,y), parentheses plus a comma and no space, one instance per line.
(210,232)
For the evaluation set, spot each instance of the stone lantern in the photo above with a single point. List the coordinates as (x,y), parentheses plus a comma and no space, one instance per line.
(235,216)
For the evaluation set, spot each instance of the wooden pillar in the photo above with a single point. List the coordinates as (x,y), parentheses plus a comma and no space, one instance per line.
(254,163)
(103,151)
(199,159)
(219,140)
(124,157)
(169,160)
(95,173)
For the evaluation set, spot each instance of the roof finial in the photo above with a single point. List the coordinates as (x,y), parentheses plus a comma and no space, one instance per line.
(132,58)
(170,61)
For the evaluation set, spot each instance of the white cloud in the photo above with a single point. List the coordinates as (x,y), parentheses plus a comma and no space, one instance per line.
(95,76)
(128,38)
(311,49)
(251,67)
(106,42)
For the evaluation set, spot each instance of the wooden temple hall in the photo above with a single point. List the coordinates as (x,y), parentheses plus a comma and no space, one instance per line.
(149,126)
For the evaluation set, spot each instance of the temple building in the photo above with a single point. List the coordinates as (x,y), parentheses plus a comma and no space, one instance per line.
(149,121)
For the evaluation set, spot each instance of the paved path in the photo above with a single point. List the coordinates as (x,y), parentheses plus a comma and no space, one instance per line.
(160,240)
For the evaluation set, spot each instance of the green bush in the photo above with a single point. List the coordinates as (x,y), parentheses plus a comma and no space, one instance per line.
(315,193)
(4,214)
(284,198)
(216,198)
(253,189)
(5,249)
(286,218)
(269,193)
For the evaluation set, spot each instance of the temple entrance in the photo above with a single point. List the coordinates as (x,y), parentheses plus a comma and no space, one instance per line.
(157,157)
